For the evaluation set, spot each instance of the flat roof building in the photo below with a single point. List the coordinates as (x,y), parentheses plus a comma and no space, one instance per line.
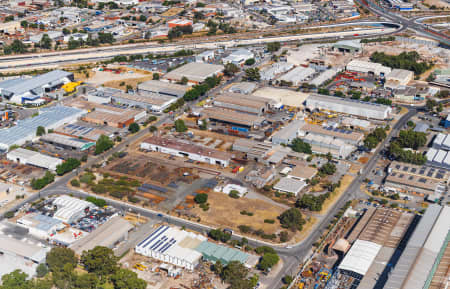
(414,178)
(172,246)
(115,230)
(195,72)
(163,88)
(67,142)
(146,100)
(298,75)
(360,257)
(49,118)
(184,148)
(242,103)
(349,46)
(114,116)
(233,118)
(287,134)
(398,77)
(290,185)
(368,67)
(243,87)
(347,136)
(348,106)
(29,157)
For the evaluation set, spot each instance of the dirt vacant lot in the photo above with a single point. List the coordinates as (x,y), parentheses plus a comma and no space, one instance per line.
(224,212)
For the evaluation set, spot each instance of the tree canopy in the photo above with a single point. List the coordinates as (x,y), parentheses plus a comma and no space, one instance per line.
(300,146)
(100,261)
(292,219)
(405,60)
(103,143)
(133,127)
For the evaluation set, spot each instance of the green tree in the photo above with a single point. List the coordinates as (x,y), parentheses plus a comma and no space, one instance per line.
(273,46)
(327,169)
(134,127)
(201,198)
(100,261)
(184,80)
(59,256)
(292,219)
(235,274)
(180,126)
(69,165)
(127,279)
(252,74)
(152,128)
(45,42)
(156,76)
(75,183)
(40,131)
(16,280)
(300,146)
(41,270)
(24,24)
(103,143)
(268,261)
(250,61)
(230,69)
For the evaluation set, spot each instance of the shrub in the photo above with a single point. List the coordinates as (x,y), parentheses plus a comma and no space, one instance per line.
(264,249)
(9,214)
(245,228)
(201,198)
(117,194)
(234,194)
(269,221)
(75,183)
(96,201)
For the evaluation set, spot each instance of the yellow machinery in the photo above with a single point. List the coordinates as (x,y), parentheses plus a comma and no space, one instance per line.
(70,86)
(140,267)
(301,285)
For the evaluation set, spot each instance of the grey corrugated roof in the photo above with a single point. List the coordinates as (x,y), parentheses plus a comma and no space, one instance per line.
(26,128)
(11,82)
(38,81)
(413,248)
(347,101)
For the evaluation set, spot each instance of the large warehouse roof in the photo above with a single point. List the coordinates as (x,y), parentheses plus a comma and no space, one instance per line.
(194,71)
(34,158)
(360,257)
(164,88)
(26,129)
(36,82)
(407,259)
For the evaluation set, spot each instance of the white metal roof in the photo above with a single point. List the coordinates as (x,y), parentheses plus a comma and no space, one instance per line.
(431,154)
(360,257)
(439,231)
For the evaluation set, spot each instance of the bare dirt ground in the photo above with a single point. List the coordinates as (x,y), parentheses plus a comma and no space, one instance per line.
(112,79)
(438,3)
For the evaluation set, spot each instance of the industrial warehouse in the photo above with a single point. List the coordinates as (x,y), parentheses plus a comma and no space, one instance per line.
(353,107)
(184,148)
(29,157)
(186,249)
(383,236)
(24,91)
(194,72)
(50,118)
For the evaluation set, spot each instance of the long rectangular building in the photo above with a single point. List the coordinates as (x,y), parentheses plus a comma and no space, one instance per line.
(49,118)
(233,118)
(421,253)
(29,157)
(184,148)
(242,103)
(163,88)
(348,106)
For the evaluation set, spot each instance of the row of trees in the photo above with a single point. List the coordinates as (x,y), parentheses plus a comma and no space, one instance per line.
(402,148)
(200,89)
(69,165)
(375,137)
(103,271)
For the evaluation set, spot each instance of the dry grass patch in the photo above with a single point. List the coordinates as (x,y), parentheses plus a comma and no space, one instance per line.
(345,182)
(122,84)
(225,212)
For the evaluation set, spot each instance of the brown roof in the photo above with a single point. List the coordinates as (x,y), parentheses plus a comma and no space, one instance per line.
(344,134)
(232,116)
(243,100)
(187,146)
(303,171)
